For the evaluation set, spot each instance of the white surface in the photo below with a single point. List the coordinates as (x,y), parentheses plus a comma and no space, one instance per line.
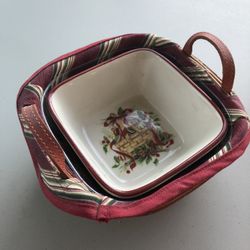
(139,80)
(214,217)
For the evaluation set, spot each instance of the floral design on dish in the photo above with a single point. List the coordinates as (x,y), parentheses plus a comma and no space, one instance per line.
(136,137)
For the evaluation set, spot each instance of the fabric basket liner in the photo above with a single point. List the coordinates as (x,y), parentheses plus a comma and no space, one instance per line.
(63,187)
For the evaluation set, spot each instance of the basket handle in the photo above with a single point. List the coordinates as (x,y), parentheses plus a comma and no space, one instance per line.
(44,138)
(228,67)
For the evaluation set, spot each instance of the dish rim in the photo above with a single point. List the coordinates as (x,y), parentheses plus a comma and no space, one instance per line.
(164,177)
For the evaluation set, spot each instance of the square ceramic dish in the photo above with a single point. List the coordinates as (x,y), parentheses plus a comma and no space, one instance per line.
(136,121)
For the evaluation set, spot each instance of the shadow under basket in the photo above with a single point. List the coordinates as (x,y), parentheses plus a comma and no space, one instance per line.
(125,126)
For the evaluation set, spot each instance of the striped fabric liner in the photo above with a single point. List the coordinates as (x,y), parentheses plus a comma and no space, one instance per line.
(155,41)
(211,74)
(236,114)
(70,188)
(197,73)
(109,201)
(26,130)
(108,48)
(224,150)
(35,89)
(61,70)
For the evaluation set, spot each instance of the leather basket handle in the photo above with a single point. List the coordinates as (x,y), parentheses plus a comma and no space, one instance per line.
(44,138)
(228,67)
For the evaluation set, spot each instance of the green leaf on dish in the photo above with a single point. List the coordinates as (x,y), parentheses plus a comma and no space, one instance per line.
(156,161)
(105,148)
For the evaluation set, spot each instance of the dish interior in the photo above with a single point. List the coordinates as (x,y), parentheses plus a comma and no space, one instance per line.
(135,119)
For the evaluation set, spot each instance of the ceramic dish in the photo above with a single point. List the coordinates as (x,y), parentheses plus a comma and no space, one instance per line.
(136,121)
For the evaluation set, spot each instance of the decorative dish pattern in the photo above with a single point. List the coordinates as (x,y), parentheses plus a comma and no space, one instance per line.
(136,137)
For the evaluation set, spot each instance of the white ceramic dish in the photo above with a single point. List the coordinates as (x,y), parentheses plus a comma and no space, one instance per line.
(135,121)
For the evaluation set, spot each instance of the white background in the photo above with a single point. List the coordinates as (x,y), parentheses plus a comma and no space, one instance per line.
(216,216)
